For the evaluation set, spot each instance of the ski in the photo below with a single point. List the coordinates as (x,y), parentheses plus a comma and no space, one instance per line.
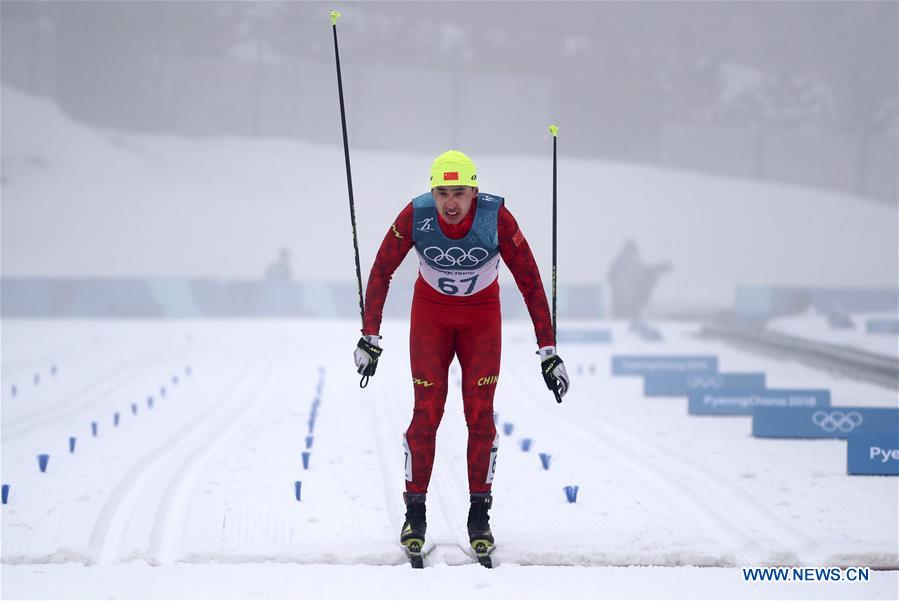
(416,551)
(482,550)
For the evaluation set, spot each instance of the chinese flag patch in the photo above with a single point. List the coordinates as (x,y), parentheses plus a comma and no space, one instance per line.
(450,176)
(518,238)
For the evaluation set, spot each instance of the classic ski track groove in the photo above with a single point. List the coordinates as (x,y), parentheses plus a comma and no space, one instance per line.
(88,396)
(112,523)
(382,427)
(431,547)
(444,495)
(173,512)
(666,470)
(736,496)
(667,484)
(449,484)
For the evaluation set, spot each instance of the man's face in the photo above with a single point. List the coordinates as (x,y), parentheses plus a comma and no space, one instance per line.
(453,203)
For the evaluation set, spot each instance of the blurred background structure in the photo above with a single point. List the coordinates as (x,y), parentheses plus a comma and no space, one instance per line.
(220,139)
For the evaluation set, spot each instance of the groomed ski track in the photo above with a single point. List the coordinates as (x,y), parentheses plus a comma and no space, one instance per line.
(207,475)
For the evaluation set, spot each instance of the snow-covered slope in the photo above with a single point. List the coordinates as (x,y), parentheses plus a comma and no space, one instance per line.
(157,505)
(81,201)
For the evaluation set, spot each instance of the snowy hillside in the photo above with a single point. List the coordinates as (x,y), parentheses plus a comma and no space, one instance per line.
(79,201)
(195,495)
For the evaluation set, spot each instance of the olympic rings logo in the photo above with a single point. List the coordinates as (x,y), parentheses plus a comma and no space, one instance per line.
(704,382)
(456,256)
(837,420)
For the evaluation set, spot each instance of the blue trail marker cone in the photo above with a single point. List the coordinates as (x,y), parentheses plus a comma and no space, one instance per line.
(571,493)
(5,493)
(309,440)
(297,486)
(507,428)
(187,370)
(306,460)
(42,461)
(94,429)
(115,419)
(526,444)
(134,408)
(13,390)
(53,370)
(162,391)
(545,460)
(71,444)
(150,402)
(37,379)
(175,380)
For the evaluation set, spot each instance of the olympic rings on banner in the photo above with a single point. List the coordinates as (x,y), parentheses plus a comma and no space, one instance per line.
(831,421)
(704,382)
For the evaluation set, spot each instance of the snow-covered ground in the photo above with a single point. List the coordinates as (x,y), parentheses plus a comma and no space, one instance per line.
(194,497)
(814,325)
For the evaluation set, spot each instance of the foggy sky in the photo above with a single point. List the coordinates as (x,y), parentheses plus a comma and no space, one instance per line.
(796,93)
(620,71)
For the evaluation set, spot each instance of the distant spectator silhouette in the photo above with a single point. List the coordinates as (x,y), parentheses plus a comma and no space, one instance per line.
(279,269)
(632,281)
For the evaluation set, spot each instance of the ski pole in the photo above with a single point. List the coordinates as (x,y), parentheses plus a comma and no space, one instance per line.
(349,178)
(554,130)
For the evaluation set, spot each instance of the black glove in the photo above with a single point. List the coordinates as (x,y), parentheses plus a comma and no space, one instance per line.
(554,373)
(366,357)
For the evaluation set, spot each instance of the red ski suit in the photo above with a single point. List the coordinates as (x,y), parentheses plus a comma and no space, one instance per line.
(465,326)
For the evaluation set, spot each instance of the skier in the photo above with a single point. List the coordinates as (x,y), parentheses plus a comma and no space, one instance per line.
(459,235)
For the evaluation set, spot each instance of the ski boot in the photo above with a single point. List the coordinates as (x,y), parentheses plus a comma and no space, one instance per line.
(479,528)
(412,536)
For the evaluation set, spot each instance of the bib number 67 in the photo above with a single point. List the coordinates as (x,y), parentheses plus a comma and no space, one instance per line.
(452,286)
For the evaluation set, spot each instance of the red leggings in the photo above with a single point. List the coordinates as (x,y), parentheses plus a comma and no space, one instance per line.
(438,331)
